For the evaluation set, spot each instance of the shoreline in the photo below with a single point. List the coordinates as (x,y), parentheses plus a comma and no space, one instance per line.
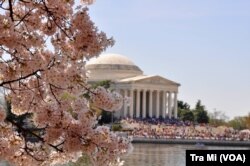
(191,142)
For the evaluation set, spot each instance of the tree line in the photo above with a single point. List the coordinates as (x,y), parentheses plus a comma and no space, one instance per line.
(199,114)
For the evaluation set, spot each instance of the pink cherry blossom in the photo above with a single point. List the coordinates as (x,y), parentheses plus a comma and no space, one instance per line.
(44,46)
(2,114)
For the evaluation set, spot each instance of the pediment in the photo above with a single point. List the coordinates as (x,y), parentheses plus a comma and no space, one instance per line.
(150,80)
(156,80)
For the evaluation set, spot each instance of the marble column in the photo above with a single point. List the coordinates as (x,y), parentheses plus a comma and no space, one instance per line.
(125,106)
(157,103)
(144,103)
(117,113)
(163,105)
(131,110)
(150,103)
(175,105)
(169,105)
(138,104)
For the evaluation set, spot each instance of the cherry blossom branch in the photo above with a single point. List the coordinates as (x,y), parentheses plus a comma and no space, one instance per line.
(50,14)
(61,28)
(29,150)
(1,5)
(52,63)
(24,131)
(11,10)
(22,19)
(86,88)
(54,94)
(29,84)
(35,73)
(57,87)
(39,89)
(22,89)
(24,1)
(21,78)
(60,144)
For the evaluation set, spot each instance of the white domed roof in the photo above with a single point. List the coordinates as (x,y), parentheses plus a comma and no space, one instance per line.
(111,67)
(112,59)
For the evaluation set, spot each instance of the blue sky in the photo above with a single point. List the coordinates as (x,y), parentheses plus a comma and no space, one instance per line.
(202,44)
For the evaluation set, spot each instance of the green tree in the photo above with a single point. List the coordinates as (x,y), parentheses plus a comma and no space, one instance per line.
(199,106)
(248,121)
(183,107)
(187,116)
(106,117)
(105,83)
(238,123)
(200,114)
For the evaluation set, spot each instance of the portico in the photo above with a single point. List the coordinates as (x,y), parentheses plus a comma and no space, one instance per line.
(150,96)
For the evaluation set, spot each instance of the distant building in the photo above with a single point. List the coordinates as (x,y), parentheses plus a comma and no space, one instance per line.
(2,99)
(153,96)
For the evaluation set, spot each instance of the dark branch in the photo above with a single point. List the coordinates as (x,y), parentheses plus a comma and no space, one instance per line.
(21,78)
(22,19)
(50,86)
(11,10)
(25,131)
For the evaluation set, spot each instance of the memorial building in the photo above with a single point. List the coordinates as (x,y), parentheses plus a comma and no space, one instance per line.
(152,96)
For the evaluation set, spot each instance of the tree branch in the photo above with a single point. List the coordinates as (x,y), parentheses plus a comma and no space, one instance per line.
(21,78)
(54,94)
(11,10)
(24,131)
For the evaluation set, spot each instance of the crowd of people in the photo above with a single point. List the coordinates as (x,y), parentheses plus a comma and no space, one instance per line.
(175,129)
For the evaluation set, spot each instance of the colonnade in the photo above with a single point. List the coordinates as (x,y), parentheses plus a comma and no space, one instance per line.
(149,103)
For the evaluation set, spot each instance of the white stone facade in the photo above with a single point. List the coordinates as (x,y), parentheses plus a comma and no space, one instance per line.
(150,96)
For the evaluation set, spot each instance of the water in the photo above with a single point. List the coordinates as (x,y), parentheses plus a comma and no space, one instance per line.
(163,154)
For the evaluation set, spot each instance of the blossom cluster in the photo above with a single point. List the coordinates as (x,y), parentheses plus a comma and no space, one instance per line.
(44,46)
(2,114)
(106,100)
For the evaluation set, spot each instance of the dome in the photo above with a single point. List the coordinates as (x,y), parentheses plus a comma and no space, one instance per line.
(111,67)
(115,59)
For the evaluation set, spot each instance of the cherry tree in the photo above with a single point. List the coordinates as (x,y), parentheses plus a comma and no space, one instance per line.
(44,45)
